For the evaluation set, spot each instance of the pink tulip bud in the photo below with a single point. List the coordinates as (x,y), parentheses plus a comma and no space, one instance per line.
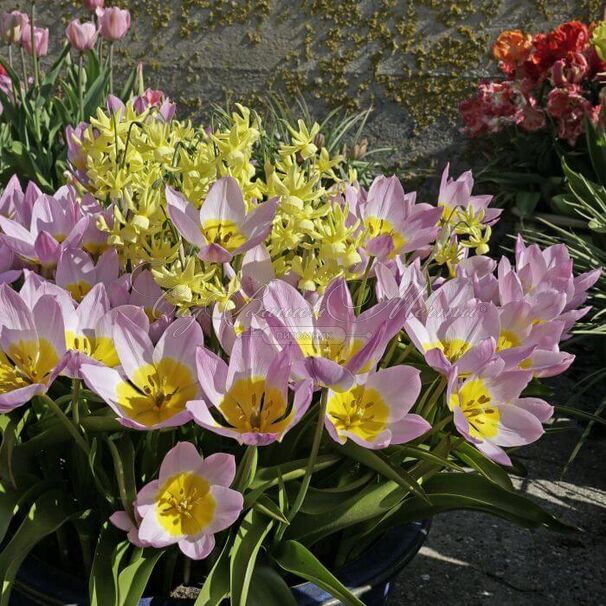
(12,26)
(82,36)
(93,5)
(40,39)
(115,23)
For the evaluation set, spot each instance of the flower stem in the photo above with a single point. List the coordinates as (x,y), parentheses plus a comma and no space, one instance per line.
(34,49)
(434,397)
(362,288)
(111,68)
(76,402)
(311,461)
(24,66)
(81,86)
(10,55)
(73,430)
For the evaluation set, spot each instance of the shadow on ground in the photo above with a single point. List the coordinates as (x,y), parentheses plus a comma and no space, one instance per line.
(472,558)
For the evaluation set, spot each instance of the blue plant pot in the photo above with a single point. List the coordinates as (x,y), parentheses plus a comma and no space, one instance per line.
(368,577)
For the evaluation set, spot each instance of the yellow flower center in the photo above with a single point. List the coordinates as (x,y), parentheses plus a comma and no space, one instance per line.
(337,349)
(360,411)
(474,399)
(158,392)
(507,340)
(380,227)
(78,290)
(26,362)
(453,350)
(98,348)
(223,232)
(184,504)
(252,406)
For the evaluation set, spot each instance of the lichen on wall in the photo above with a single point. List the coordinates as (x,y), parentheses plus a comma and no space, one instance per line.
(413,60)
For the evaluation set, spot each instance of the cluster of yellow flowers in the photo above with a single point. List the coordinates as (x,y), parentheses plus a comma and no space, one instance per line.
(127,158)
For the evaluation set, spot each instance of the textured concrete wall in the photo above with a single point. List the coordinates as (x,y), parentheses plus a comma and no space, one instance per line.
(412,60)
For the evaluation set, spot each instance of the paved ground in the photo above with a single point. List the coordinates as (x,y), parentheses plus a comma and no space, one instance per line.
(473,558)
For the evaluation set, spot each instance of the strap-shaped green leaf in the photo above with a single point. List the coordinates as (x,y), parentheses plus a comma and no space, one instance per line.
(48,513)
(109,553)
(382,466)
(216,586)
(474,458)
(133,580)
(247,543)
(297,559)
(268,588)
(450,491)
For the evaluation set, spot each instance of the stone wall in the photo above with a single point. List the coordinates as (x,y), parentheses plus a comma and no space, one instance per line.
(411,60)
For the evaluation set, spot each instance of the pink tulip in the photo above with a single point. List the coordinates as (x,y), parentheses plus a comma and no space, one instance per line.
(40,40)
(12,26)
(154,383)
(34,338)
(374,413)
(203,506)
(115,23)
(82,36)
(251,393)
(93,5)
(394,222)
(329,343)
(222,228)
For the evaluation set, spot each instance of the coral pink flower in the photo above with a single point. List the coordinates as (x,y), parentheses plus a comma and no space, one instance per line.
(569,71)
(115,23)
(251,394)
(489,412)
(32,347)
(221,229)
(82,36)
(569,108)
(155,98)
(374,412)
(155,383)
(188,504)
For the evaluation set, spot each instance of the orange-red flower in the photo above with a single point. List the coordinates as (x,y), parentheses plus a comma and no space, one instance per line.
(570,37)
(511,49)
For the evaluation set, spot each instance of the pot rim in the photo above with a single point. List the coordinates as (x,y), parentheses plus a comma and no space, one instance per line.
(383,559)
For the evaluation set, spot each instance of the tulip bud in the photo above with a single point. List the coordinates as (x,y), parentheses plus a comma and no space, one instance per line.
(82,36)
(40,36)
(115,23)
(12,26)
(93,5)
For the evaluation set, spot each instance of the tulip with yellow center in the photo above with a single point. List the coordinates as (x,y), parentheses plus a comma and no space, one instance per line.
(187,505)
(155,383)
(251,395)
(222,228)
(32,347)
(489,412)
(374,413)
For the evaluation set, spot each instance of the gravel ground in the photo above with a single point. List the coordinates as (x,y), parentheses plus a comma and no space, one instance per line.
(472,558)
